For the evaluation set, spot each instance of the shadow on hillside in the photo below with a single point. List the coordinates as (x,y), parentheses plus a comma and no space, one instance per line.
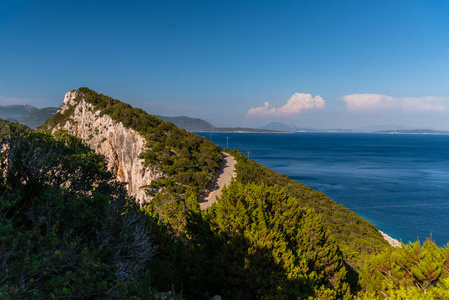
(212,264)
(231,266)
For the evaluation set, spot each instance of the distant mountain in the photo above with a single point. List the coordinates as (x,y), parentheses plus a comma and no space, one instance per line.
(243,129)
(15,112)
(284,127)
(197,125)
(189,124)
(376,128)
(280,126)
(413,131)
(38,117)
(367,129)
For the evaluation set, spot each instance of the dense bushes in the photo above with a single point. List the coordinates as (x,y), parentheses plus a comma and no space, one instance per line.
(66,228)
(355,235)
(273,247)
(256,242)
(413,271)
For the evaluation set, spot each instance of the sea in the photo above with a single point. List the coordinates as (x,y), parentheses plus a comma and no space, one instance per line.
(398,182)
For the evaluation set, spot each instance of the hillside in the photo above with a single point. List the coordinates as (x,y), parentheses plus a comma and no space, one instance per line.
(38,117)
(142,150)
(80,236)
(199,125)
(26,114)
(243,129)
(267,237)
(189,124)
(15,112)
(355,235)
(284,127)
(68,229)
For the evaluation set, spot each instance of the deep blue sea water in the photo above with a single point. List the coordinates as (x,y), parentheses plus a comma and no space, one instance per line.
(400,183)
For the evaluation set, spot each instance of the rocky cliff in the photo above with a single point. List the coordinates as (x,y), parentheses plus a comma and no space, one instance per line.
(121,146)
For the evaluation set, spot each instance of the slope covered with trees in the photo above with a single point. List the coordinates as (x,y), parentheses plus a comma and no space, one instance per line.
(68,228)
(188,161)
(355,235)
(187,123)
(255,243)
(38,117)
(279,250)
(413,271)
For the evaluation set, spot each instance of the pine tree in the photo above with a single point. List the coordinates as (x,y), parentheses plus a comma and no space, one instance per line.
(421,269)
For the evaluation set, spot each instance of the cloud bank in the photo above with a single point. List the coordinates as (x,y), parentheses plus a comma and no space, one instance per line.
(377,102)
(297,103)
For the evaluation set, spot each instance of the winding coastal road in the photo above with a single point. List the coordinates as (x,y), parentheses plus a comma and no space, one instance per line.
(222,179)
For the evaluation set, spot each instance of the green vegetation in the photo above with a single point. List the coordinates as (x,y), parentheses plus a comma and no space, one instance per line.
(413,271)
(255,243)
(67,228)
(273,247)
(7,128)
(188,160)
(38,117)
(195,124)
(69,231)
(187,123)
(356,236)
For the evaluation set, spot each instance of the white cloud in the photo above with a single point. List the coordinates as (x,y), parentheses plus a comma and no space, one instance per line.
(297,103)
(377,102)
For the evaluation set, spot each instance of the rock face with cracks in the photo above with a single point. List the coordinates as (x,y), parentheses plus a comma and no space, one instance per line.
(121,146)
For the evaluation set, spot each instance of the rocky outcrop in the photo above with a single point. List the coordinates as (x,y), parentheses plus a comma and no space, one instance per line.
(121,146)
(393,242)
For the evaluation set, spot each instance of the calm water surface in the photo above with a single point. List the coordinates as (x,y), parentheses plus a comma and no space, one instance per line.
(398,182)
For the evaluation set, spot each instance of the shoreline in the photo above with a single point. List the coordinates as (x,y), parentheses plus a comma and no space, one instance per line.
(393,242)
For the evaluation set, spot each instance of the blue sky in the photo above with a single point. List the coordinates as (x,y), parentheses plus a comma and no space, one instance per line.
(322,64)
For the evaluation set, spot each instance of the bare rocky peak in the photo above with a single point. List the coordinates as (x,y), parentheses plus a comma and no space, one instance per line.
(69,100)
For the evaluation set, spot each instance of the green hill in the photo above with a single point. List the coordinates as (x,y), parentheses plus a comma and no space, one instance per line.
(70,231)
(199,125)
(38,117)
(188,161)
(189,124)
(355,235)
(67,229)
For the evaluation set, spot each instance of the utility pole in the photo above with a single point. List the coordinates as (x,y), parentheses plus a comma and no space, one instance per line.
(248,153)
(227,141)
(210,139)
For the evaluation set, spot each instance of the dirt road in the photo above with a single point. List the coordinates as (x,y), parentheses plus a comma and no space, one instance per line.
(223,178)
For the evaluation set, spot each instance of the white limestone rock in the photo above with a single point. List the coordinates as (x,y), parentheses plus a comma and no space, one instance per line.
(393,242)
(121,146)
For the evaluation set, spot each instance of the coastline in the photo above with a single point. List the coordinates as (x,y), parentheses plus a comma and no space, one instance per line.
(393,242)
